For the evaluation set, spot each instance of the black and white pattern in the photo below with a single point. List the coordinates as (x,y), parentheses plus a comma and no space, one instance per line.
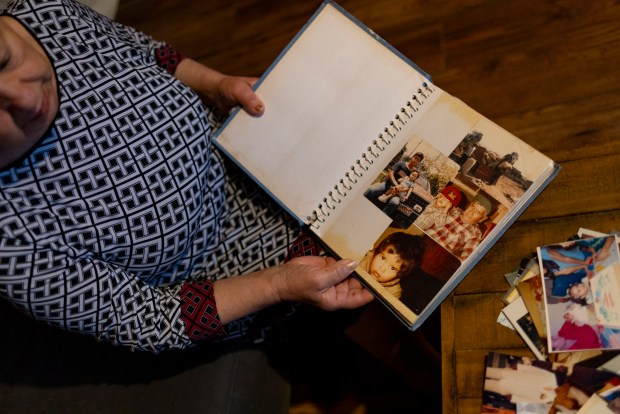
(124,199)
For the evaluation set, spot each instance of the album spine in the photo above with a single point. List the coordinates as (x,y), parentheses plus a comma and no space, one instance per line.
(350,179)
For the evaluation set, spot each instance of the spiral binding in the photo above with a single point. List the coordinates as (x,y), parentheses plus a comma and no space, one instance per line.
(373,151)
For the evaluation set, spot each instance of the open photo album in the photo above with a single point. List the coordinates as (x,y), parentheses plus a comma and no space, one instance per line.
(382,165)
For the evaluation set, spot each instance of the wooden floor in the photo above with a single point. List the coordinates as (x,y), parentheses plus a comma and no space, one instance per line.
(548,71)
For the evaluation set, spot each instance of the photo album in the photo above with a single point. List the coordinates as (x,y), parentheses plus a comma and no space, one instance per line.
(382,165)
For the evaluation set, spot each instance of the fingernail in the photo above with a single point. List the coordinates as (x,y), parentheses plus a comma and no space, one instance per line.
(259,109)
(352,264)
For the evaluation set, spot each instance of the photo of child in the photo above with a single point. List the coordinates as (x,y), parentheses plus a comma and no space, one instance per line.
(392,259)
(580,292)
(403,190)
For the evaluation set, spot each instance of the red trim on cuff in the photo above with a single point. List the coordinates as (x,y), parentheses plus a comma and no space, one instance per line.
(168,58)
(199,312)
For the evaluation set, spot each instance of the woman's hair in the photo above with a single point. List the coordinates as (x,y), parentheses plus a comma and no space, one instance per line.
(407,246)
(549,268)
(580,301)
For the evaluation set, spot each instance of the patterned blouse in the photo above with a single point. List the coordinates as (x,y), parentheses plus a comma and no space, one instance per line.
(117,222)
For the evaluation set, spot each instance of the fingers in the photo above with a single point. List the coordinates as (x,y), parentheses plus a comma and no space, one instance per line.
(326,283)
(349,291)
(358,295)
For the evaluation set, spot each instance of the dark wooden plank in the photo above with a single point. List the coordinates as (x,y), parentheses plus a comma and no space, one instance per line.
(475,325)
(448,356)
(506,55)
(579,129)
(581,187)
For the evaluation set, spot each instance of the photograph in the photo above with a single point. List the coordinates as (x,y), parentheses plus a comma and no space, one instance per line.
(504,169)
(459,218)
(522,322)
(581,294)
(516,384)
(410,266)
(410,182)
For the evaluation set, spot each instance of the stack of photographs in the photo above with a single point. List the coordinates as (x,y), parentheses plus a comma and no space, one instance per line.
(564,302)
(566,297)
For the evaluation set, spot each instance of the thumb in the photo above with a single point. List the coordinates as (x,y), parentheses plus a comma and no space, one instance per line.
(340,270)
(250,101)
(253,105)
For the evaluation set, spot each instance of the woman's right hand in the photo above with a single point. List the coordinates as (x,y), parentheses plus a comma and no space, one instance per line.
(319,281)
(322,282)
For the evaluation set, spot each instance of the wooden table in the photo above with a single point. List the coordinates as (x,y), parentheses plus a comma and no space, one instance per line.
(546,70)
(570,110)
(582,134)
(575,125)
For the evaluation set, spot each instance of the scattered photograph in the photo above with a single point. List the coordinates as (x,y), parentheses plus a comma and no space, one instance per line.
(582,294)
(516,384)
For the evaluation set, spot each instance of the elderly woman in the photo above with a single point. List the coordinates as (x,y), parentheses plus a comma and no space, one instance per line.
(118,219)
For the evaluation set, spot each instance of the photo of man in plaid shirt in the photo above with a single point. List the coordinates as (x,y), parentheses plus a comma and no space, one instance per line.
(461,232)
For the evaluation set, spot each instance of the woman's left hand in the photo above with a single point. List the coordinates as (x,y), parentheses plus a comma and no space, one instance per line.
(232,91)
(221,91)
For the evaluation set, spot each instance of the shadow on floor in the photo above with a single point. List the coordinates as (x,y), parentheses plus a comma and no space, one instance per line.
(48,370)
(332,374)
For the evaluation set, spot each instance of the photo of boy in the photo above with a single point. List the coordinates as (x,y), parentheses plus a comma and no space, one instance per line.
(437,212)
(392,259)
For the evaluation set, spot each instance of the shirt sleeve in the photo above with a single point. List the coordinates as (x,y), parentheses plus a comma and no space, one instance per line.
(165,55)
(470,245)
(95,298)
(398,166)
(168,58)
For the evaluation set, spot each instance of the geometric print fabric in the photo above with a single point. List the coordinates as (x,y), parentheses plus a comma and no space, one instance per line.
(124,199)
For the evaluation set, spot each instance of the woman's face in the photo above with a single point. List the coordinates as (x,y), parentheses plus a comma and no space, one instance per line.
(28,94)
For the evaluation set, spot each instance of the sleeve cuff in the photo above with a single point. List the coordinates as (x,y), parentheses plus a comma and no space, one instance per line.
(168,58)
(199,312)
